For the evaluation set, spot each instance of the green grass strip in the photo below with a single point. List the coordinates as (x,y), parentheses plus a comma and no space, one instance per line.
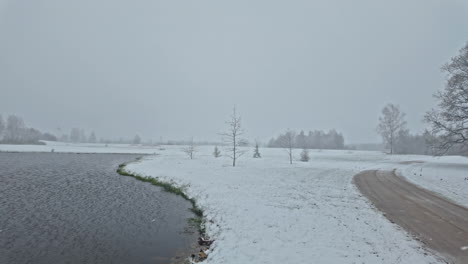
(169,187)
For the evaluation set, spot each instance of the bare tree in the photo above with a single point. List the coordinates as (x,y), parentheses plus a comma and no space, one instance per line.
(233,137)
(287,142)
(450,121)
(190,149)
(391,123)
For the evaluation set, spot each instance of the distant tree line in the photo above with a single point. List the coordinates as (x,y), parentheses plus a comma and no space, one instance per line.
(316,139)
(79,135)
(14,131)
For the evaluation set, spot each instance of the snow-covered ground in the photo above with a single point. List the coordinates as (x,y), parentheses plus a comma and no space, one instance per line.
(268,211)
(447,176)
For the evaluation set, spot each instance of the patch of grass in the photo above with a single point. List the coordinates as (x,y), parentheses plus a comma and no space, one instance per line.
(196,221)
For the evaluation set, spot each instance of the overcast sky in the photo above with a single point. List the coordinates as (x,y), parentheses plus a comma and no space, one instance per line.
(176,68)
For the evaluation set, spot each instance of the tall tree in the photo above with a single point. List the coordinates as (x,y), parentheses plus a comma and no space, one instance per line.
(390,124)
(233,137)
(450,121)
(287,142)
(15,129)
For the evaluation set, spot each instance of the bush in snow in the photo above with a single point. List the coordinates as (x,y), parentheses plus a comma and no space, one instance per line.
(305,155)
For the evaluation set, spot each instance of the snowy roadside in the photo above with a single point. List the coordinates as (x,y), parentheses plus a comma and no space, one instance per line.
(267,211)
(447,176)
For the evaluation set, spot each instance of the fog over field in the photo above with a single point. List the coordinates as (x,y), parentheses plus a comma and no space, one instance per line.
(175,69)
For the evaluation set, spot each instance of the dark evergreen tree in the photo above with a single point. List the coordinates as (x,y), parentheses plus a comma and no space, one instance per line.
(256,152)
(216,152)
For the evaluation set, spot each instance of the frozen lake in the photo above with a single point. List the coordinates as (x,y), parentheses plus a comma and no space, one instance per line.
(74,208)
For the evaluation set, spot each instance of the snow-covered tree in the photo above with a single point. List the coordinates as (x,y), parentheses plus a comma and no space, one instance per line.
(287,142)
(390,124)
(450,121)
(190,149)
(256,151)
(216,152)
(233,137)
(15,130)
(305,155)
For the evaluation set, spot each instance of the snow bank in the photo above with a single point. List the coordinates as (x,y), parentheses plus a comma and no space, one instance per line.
(267,211)
(447,176)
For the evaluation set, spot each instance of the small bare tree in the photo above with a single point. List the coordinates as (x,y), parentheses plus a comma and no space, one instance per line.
(450,121)
(391,123)
(190,149)
(287,142)
(233,137)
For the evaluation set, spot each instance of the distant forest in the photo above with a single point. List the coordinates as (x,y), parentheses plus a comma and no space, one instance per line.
(14,131)
(312,140)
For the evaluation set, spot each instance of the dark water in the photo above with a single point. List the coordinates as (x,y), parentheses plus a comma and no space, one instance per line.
(74,208)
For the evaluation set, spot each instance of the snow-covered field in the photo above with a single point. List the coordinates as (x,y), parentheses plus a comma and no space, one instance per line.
(268,211)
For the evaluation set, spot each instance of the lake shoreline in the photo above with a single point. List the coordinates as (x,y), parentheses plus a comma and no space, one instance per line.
(198,221)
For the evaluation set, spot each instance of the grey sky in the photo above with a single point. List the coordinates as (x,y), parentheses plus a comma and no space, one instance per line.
(176,68)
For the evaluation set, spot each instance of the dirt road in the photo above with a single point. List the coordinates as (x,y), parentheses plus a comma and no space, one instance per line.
(435,221)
